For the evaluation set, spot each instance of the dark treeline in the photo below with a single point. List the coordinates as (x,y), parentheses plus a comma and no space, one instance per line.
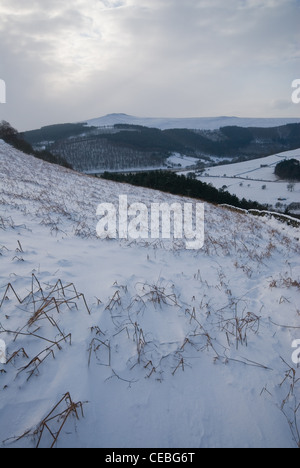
(92,153)
(11,136)
(56,132)
(289,170)
(232,140)
(180,185)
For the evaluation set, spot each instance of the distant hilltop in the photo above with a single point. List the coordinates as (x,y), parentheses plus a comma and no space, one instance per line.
(201,123)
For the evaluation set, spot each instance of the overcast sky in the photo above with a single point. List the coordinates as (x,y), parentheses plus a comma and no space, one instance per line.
(79,59)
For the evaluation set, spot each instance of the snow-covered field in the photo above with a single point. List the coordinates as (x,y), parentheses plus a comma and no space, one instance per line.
(141,343)
(255,180)
(184,161)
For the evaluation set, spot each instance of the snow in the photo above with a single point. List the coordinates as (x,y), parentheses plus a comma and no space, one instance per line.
(201,123)
(183,160)
(151,351)
(247,179)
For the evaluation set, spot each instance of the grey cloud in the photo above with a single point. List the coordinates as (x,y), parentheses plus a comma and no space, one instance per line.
(83,58)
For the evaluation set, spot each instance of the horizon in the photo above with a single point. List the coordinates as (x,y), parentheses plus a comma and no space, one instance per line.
(171,119)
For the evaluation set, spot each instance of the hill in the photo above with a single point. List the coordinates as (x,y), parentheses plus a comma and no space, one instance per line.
(199,123)
(123,146)
(141,342)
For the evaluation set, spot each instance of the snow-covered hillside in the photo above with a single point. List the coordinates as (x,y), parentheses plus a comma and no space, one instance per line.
(141,343)
(203,123)
(255,180)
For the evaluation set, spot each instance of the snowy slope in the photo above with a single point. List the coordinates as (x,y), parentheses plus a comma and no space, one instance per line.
(165,348)
(256,180)
(203,123)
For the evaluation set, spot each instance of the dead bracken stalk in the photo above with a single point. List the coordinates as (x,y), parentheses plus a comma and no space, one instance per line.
(54,422)
(36,362)
(19,249)
(239,326)
(115,300)
(45,305)
(59,418)
(148,366)
(285,282)
(157,294)
(96,346)
(10,287)
(290,405)
(180,364)
(56,297)
(16,354)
